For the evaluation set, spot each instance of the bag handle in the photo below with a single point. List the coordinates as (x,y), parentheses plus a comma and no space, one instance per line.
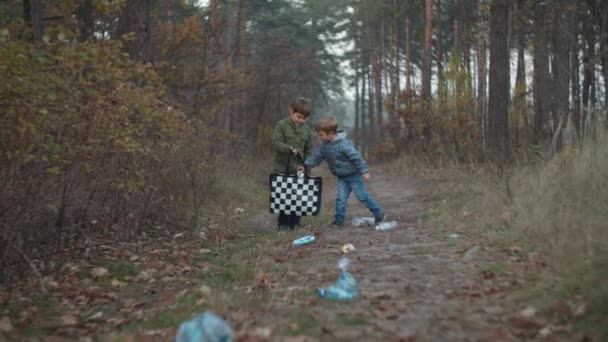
(289,161)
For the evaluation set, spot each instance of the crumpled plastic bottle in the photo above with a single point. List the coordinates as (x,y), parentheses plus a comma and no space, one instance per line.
(344,289)
(362,221)
(206,327)
(304,240)
(386,225)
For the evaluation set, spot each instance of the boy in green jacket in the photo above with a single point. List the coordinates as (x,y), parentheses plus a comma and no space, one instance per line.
(291,145)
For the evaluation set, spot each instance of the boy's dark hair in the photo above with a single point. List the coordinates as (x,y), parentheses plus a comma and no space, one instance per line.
(301,105)
(327,124)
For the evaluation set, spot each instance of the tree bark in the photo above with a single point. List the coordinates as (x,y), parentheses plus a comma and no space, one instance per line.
(439,54)
(135,19)
(562,41)
(408,56)
(84,13)
(499,80)
(575,72)
(36,15)
(519,96)
(588,70)
(541,75)
(426,52)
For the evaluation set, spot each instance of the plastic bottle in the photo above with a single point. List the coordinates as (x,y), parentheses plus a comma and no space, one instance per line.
(386,225)
(304,240)
(362,221)
(206,327)
(345,288)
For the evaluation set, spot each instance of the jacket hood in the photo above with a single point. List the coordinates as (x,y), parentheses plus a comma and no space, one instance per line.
(340,134)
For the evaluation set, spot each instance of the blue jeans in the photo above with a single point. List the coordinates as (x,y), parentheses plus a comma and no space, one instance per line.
(355,184)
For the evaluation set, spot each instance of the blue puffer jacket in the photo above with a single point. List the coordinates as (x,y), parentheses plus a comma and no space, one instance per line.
(341,156)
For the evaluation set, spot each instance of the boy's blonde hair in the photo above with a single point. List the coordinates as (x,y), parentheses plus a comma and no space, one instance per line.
(327,124)
(302,105)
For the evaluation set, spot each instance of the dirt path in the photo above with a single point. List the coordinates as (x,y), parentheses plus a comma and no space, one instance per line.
(416,282)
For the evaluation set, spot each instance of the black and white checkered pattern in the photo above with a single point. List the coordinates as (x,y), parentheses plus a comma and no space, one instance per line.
(294,195)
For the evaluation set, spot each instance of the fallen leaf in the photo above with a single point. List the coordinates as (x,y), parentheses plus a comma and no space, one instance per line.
(117,284)
(528,312)
(100,272)
(5,325)
(580,311)
(69,320)
(96,316)
(205,290)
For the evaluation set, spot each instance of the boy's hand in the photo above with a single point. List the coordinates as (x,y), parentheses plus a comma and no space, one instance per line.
(365,176)
(294,151)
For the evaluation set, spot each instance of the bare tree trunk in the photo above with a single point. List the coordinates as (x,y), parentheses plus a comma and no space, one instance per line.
(362,115)
(135,18)
(439,54)
(84,13)
(499,79)
(356,64)
(396,86)
(481,87)
(408,56)
(426,52)
(561,71)
(36,14)
(541,75)
(519,96)
(576,109)
(242,40)
(588,70)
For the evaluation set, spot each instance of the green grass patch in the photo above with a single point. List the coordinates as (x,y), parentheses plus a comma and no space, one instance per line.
(305,325)
(354,320)
(121,269)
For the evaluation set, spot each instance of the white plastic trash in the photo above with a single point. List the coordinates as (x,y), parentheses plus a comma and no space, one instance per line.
(386,225)
(363,221)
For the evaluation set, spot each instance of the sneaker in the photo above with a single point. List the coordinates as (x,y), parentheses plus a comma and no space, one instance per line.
(337,224)
(380,218)
(283,227)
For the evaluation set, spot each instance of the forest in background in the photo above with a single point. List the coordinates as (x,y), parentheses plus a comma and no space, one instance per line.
(119,116)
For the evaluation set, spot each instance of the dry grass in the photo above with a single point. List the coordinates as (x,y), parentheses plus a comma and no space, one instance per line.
(557,211)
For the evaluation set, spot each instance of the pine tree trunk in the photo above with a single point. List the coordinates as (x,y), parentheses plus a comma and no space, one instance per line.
(408,56)
(426,52)
(84,13)
(439,54)
(574,73)
(519,96)
(588,70)
(541,75)
(242,40)
(135,19)
(36,14)
(561,71)
(481,32)
(499,80)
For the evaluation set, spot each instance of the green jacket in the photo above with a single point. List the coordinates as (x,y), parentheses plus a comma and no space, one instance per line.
(286,135)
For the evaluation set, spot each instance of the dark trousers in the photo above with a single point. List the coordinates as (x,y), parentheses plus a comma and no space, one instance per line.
(290,221)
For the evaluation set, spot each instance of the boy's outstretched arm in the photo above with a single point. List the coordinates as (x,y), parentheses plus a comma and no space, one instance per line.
(314,159)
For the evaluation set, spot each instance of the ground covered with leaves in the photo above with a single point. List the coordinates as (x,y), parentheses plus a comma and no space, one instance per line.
(421,281)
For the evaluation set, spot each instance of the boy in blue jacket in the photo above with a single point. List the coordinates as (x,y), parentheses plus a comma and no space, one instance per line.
(346,163)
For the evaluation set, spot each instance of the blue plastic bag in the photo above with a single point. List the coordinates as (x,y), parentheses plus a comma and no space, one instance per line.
(206,327)
(345,288)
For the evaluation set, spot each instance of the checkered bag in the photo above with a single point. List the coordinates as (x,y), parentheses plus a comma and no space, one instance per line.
(293,195)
